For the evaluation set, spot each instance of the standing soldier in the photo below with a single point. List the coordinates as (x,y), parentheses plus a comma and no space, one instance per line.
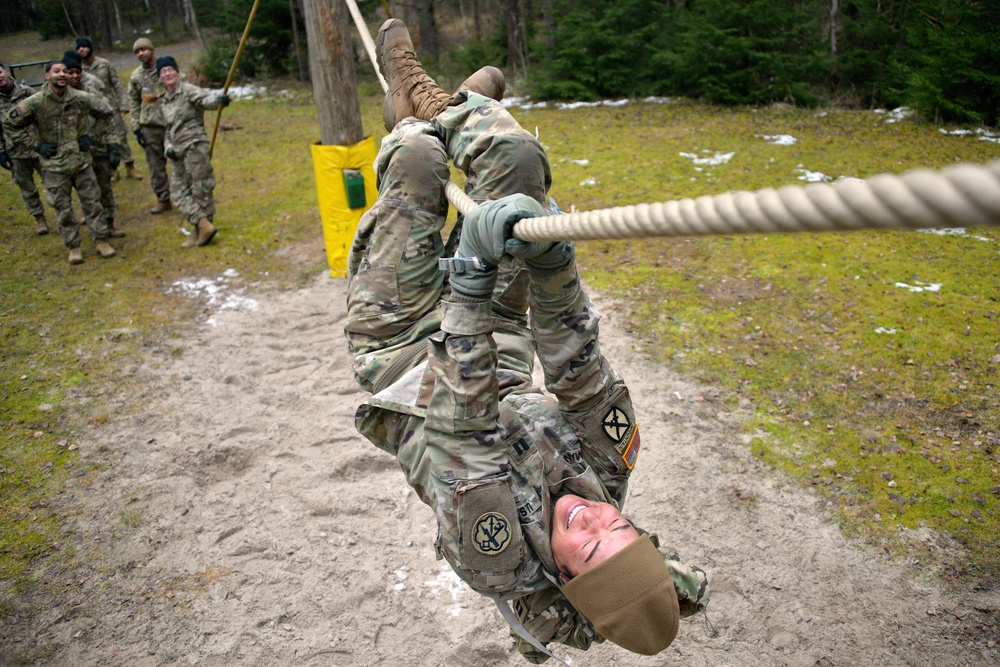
(17,150)
(145,95)
(192,178)
(107,137)
(58,113)
(102,69)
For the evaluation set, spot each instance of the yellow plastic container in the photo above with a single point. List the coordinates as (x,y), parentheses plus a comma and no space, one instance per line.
(340,171)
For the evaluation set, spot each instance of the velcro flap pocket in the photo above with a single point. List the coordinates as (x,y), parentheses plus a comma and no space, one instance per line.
(491,538)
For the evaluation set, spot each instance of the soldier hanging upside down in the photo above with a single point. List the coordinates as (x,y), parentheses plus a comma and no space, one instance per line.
(526,486)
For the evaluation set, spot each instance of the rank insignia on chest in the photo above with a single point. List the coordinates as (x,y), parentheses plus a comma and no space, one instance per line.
(491,534)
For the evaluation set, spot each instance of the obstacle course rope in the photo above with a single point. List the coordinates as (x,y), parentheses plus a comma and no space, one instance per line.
(962,195)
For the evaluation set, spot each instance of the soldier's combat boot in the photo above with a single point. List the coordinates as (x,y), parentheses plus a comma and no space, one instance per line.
(41,225)
(75,255)
(161,207)
(115,232)
(411,91)
(192,238)
(131,173)
(104,249)
(487,81)
(206,230)
(115,176)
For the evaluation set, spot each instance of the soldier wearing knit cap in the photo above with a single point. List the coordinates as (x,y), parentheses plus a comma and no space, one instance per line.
(145,95)
(192,178)
(117,99)
(526,486)
(17,150)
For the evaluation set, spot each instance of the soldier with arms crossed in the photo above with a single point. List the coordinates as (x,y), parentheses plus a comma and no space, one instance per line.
(527,486)
(117,99)
(145,93)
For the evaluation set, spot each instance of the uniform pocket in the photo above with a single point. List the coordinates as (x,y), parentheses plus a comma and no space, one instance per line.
(490,539)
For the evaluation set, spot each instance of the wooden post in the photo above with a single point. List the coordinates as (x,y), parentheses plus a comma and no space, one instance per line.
(331,68)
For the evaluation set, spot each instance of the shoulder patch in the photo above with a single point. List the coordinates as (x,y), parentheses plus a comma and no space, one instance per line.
(491,533)
(616,424)
(631,451)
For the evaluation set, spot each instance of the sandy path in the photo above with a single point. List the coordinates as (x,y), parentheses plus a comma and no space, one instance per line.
(239,519)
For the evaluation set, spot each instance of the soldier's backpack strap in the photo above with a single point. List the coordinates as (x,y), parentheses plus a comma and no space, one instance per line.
(515,625)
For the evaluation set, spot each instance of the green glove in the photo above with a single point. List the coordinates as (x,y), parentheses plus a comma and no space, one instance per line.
(488,230)
(114,155)
(141,140)
(6,162)
(84,142)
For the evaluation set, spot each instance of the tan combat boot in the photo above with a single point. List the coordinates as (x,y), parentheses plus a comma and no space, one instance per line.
(75,255)
(115,176)
(161,207)
(130,172)
(41,225)
(206,230)
(104,249)
(412,92)
(487,81)
(115,232)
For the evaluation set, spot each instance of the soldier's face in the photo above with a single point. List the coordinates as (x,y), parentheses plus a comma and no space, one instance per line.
(84,51)
(144,55)
(586,533)
(5,78)
(168,77)
(75,77)
(57,77)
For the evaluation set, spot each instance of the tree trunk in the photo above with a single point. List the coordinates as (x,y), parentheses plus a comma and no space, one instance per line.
(191,19)
(331,67)
(109,39)
(834,25)
(427,27)
(293,10)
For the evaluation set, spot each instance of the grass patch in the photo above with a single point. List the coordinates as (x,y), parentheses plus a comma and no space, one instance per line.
(898,429)
(881,396)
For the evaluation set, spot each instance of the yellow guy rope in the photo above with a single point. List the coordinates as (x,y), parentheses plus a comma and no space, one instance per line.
(958,196)
(232,71)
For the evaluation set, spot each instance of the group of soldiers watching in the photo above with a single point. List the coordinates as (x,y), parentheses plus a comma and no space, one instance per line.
(72,132)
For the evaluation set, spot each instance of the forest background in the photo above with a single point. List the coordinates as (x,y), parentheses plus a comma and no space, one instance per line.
(940,58)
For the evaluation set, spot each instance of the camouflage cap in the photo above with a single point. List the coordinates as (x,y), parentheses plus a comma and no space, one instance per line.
(630,599)
(142,43)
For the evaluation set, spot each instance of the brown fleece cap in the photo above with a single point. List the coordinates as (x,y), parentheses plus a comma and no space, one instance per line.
(142,43)
(630,599)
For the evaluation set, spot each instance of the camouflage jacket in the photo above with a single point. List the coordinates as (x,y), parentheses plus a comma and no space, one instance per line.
(145,94)
(62,121)
(102,131)
(492,453)
(104,71)
(18,142)
(184,115)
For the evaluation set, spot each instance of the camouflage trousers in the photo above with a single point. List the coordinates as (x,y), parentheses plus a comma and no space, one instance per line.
(192,181)
(104,172)
(24,175)
(154,136)
(395,282)
(122,130)
(59,193)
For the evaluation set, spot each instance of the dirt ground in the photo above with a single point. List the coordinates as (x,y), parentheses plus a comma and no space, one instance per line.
(238,519)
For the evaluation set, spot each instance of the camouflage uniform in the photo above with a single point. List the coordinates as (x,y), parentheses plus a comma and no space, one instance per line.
(103,135)
(453,396)
(192,179)
(117,99)
(20,146)
(145,95)
(62,121)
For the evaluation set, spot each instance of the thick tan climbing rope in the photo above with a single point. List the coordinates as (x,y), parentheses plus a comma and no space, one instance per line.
(958,196)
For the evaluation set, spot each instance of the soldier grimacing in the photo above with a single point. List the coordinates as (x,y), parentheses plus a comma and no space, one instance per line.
(526,486)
